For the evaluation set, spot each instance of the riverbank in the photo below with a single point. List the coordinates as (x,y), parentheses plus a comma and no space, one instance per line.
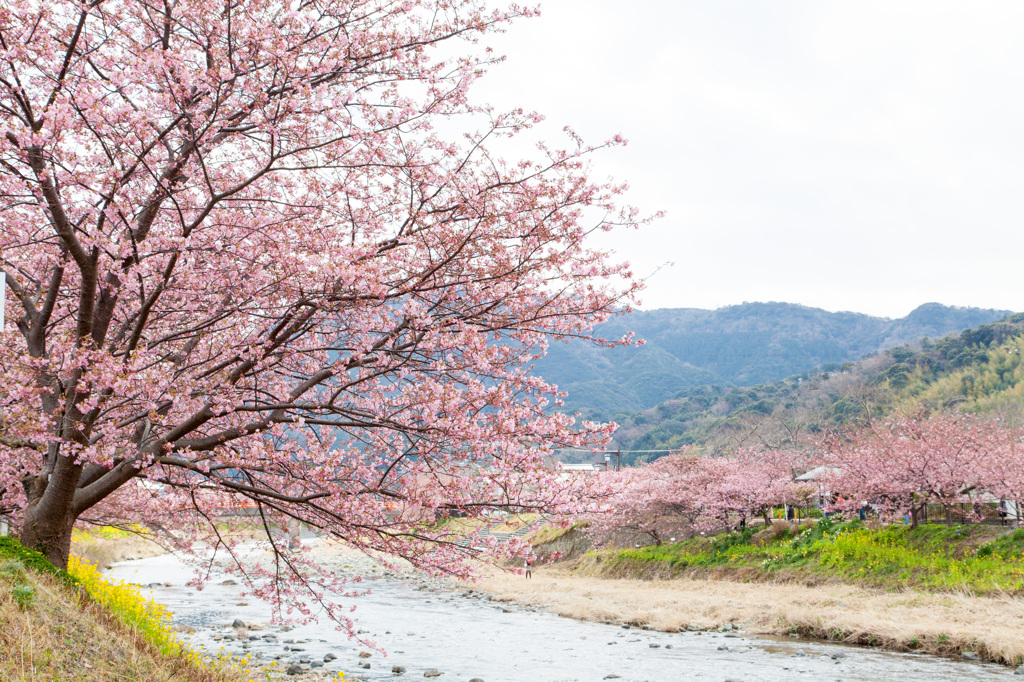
(949,624)
(424,625)
(950,591)
(694,586)
(53,628)
(972,559)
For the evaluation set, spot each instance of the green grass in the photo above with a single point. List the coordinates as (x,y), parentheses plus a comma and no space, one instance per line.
(1009,546)
(50,629)
(24,596)
(933,557)
(12,553)
(730,548)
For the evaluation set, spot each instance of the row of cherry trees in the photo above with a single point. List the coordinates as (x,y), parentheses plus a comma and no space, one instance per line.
(897,468)
(901,466)
(683,494)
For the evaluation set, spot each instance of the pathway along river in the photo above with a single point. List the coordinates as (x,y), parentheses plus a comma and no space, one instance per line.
(426,624)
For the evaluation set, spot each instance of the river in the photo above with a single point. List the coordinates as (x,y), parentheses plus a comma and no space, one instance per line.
(426,625)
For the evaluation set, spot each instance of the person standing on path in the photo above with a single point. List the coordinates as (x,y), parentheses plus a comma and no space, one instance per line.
(529,572)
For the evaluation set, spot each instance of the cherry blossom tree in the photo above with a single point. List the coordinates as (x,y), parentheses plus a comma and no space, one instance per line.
(906,463)
(246,270)
(686,493)
(754,481)
(651,501)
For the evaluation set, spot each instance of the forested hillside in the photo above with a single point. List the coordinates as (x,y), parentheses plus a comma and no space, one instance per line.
(979,370)
(741,345)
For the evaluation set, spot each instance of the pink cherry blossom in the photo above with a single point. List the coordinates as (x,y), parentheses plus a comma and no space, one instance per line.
(901,465)
(683,493)
(245,270)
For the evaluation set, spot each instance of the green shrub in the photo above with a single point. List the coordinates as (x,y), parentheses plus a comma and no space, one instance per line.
(722,544)
(1009,546)
(24,596)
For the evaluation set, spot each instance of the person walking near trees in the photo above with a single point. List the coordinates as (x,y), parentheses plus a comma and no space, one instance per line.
(529,571)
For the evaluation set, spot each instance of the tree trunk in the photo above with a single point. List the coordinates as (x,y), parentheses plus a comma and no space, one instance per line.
(49,534)
(50,513)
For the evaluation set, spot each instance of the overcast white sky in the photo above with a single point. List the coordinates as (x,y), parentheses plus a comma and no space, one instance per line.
(861,156)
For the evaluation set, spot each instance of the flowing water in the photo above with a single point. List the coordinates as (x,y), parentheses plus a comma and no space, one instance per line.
(425,625)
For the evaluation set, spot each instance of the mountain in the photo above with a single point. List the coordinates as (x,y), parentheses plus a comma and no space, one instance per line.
(980,371)
(740,345)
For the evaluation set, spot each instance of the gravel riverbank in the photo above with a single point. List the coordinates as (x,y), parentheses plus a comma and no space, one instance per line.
(222,623)
(946,624)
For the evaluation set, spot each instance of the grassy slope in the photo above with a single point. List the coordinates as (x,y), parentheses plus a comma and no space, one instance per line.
(981,560)
(51,630)
(967,580)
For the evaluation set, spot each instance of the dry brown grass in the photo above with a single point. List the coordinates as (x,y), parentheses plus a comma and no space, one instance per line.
(57,637)
(936,623)
(103,551)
